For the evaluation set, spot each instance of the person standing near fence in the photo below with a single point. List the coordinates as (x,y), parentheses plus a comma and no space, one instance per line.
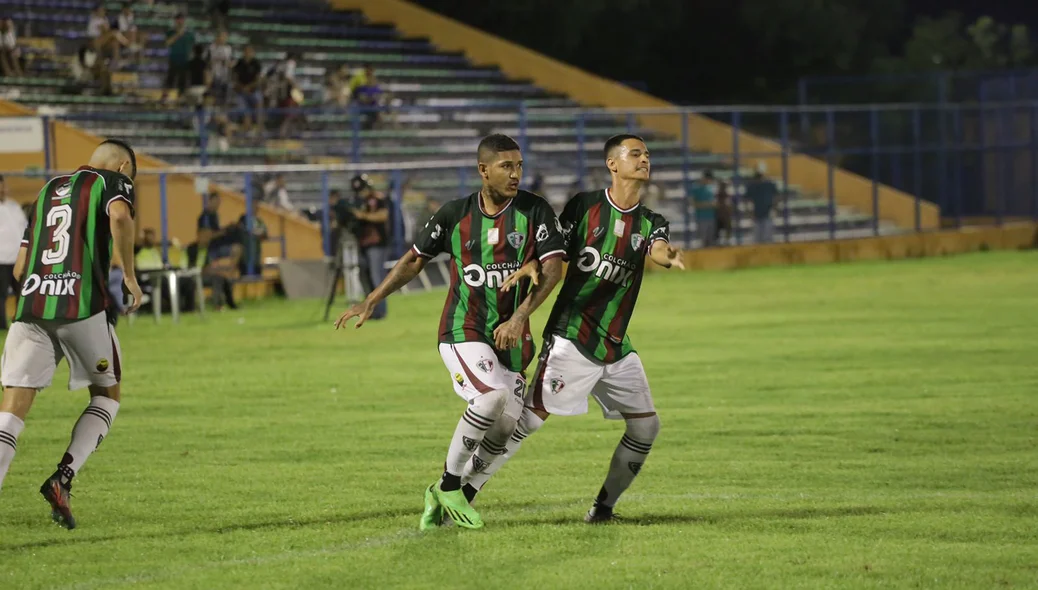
(373,236)
(703,195)
(12,224)
(762,192)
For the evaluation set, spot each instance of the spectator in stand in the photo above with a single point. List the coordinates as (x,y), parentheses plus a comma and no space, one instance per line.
(337,87)
(221,58)
(180,42)
(373,237)
(360,78)
(12,228)
(88,67)
(371,97)
(704,200)
(128,29)
(209,220)
(217,123)
(248,80)
(762,192)
(276,192)
(198,76)
(723,215)
(10,55)
(219,11)
(251,242)
(216,253)
(283,94)
(105,41)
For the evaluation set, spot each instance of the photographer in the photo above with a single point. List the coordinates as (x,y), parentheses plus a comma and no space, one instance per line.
(372,233)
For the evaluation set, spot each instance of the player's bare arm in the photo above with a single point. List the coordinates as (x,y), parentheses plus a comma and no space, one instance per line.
(406,269)
(531,270)
(20,263)
(121,220)
(665,255)
(507,335)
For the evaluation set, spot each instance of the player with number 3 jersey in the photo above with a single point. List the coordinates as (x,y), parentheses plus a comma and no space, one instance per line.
(63,267)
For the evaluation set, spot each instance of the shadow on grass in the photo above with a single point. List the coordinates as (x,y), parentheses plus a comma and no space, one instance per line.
(692,518)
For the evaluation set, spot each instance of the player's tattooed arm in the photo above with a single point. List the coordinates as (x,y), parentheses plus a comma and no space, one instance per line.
(406,269)
(507,336)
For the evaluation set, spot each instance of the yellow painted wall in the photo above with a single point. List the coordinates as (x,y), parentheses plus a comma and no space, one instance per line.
(72,148)
(591,90)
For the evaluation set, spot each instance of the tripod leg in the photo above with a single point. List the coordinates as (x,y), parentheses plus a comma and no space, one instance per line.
(331,292)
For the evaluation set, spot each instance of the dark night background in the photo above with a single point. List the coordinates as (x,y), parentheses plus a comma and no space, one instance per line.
(750,51)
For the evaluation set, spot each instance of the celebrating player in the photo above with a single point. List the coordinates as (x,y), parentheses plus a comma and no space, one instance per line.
(489,235)
(587,350)
(63,266)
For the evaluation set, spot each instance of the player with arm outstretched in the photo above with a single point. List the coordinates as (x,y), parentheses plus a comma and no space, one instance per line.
(63,266)
(587,350)
(484,332)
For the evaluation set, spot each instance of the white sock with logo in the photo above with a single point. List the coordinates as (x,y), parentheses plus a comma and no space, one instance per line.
(481,414)
(91,428)
(10,427)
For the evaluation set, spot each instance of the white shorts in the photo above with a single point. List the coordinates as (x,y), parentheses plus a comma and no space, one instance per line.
(34,348)
(565,378)
(475,370)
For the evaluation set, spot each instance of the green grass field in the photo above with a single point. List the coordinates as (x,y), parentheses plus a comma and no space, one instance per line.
(868,425)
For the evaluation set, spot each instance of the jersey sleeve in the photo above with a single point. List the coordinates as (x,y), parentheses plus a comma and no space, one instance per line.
(548,242)
(569,221)
(27,235)
(119,188)
(432,239)
(660,229)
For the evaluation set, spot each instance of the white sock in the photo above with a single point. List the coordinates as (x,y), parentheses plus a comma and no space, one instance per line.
(481,414)
(91,428)
(528,424)
(10,427)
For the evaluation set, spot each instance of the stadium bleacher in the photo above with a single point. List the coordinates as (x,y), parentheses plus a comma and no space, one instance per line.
(443,105)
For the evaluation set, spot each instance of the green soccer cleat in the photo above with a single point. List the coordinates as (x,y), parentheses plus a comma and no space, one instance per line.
(433,515)
(456,506)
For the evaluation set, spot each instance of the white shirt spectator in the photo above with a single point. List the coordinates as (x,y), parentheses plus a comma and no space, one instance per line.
(96,25)
(12,228)
(9,41)
(127,23)
(278,193)
(221,58)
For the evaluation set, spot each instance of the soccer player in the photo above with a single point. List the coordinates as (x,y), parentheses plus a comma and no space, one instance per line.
(62,310)
(587,350)
(484,333)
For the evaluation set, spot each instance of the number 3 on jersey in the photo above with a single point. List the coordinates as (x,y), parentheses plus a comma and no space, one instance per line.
(60,216)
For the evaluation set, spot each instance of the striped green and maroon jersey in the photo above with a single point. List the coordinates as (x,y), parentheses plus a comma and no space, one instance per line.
(485,250)
(606,247)
(69,241)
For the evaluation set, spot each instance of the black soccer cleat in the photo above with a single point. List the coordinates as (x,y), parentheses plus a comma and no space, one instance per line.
(58,495)
(601,513)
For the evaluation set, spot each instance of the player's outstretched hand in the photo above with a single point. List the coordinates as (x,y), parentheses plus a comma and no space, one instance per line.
(135,292)
(675,257)
(362,310)
(530,270)
(507,335)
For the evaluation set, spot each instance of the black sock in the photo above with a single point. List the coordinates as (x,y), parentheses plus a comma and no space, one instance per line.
(469,491)
(450,482)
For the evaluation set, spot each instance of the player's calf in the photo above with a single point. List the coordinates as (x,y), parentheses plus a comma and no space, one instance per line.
(13,409)
(483,412)
(627,462)
(474,479)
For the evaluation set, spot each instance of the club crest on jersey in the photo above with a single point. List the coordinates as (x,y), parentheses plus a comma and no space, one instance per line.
(557,384)
(485,365)
(598,231)
(516,239)
(542,232)
(637,240)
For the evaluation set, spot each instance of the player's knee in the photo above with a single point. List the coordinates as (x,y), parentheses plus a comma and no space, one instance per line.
(111,393)
(492,404)
(529,422)
(644,429)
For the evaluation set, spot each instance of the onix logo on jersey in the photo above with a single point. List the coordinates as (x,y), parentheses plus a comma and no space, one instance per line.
(51,284)
(605,266)
(491,277)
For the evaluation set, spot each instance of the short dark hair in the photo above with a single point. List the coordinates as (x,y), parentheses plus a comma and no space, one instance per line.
(495,144)
(129,152)
(615,141)
(708,174)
